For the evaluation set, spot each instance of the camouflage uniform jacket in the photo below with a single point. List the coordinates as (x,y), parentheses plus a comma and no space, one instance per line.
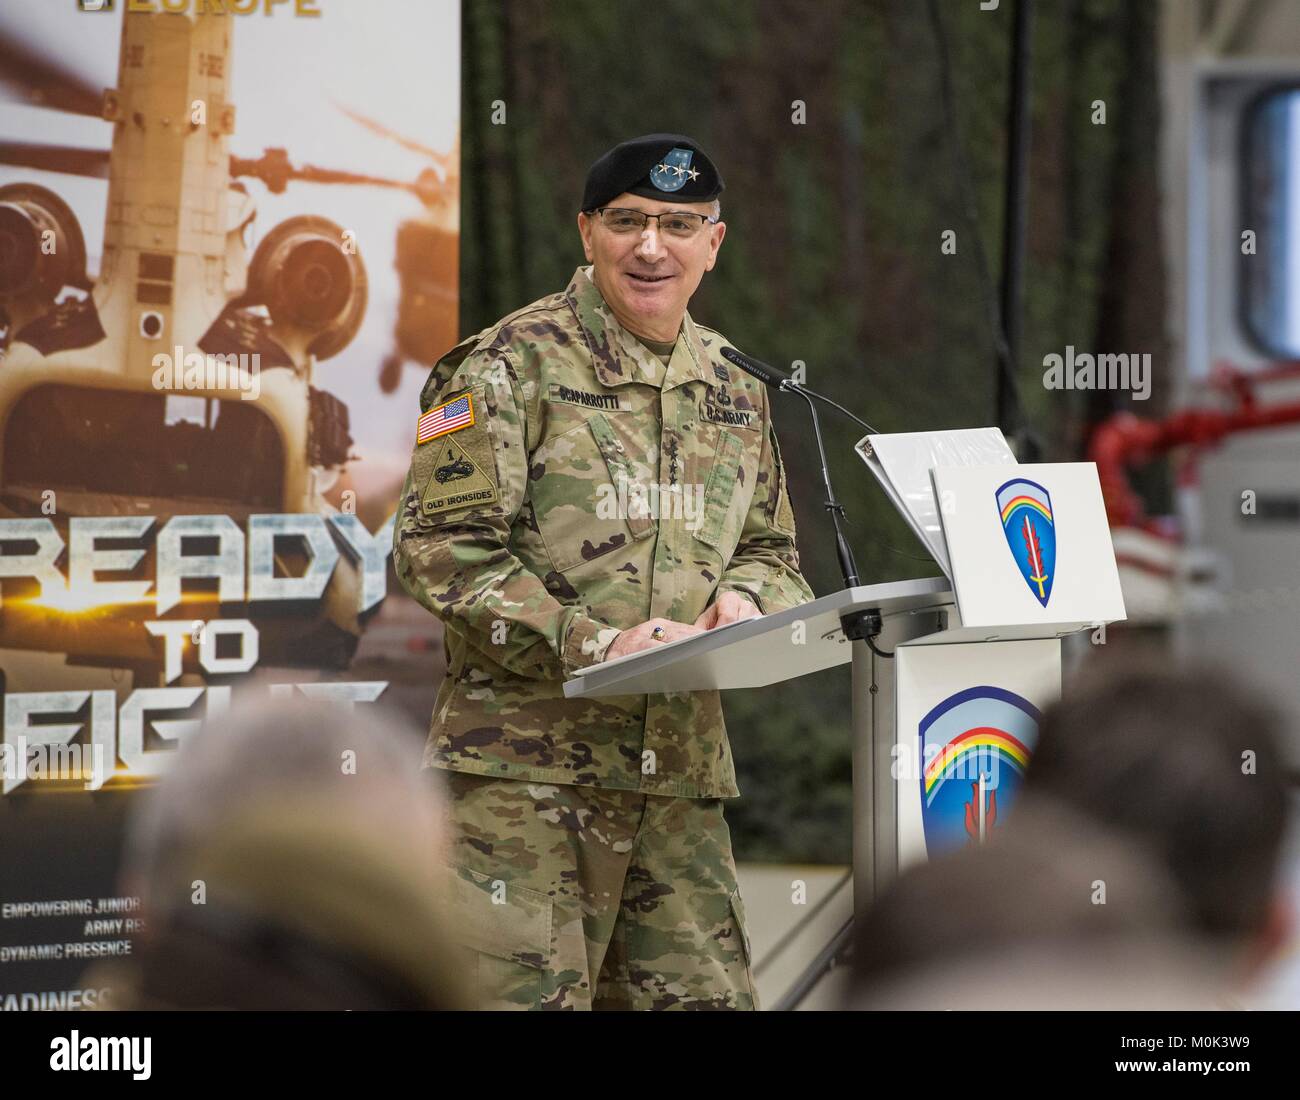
(535,533)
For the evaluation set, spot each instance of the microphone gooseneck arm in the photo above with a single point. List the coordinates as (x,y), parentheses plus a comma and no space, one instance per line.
(865,624)
(848,566)
(794,387)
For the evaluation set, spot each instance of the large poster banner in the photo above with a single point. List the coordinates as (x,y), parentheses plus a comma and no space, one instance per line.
(227,230)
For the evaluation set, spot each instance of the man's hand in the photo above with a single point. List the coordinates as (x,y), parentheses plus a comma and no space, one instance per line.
(729,607)
(642,636)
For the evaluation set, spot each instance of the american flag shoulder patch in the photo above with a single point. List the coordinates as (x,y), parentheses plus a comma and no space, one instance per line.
(450,416)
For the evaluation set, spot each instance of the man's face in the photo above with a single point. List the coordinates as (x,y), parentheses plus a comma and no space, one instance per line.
(647,277)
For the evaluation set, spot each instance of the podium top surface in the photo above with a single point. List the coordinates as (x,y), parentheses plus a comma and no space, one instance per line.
(758,652)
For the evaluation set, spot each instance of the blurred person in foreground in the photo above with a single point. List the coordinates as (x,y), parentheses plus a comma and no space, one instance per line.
(1168,788)
(1053,912)
(1188,765)
(290,860)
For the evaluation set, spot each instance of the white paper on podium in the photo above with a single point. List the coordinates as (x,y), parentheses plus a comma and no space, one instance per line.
(902,463)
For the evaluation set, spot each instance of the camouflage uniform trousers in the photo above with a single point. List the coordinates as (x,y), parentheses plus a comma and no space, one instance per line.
(573,897)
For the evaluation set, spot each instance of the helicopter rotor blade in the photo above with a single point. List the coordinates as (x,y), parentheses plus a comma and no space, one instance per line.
(274,169)
(67,159)
(43,82)
(312,174)
(440,159)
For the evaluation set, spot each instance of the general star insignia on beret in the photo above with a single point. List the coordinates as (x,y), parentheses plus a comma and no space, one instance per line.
(670,173)
(652,166)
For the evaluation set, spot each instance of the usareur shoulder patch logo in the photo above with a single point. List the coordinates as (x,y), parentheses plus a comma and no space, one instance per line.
(458,479)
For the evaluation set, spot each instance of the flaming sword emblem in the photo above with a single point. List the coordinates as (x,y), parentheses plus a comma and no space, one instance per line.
(1025,508)
(981,811)
(1036,575)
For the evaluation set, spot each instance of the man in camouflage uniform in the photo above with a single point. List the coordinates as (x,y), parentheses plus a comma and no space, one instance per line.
(591,478)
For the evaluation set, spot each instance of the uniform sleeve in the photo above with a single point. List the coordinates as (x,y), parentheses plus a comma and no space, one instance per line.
(456,561)
(765,566)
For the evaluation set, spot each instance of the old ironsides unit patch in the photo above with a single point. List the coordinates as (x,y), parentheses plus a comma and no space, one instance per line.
(457,472)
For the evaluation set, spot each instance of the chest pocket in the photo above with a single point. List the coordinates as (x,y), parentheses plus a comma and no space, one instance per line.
(586,495)
(725,499)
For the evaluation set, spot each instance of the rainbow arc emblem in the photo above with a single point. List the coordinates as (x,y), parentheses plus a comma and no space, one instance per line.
(975,746)
(1026,510)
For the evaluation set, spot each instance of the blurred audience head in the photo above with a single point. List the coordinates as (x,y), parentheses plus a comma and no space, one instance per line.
(1187,765)
(291,859)
(1051,912)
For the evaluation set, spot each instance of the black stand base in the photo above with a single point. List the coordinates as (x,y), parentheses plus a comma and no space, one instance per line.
(864,626)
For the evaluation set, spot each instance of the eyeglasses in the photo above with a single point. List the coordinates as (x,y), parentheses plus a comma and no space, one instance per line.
(671,223)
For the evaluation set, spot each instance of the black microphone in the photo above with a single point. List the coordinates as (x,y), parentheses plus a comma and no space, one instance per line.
(779,380)
(764,372)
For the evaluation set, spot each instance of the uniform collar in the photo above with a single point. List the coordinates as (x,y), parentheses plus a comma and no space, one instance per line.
(618,355)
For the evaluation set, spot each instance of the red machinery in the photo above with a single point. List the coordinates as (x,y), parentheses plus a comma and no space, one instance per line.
(1126,440)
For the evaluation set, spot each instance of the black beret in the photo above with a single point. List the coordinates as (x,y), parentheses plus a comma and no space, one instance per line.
(655,166)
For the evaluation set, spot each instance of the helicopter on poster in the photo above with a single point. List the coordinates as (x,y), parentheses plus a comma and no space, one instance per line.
(181,378)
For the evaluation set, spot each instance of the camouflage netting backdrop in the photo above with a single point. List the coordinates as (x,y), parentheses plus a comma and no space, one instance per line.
(833,253)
